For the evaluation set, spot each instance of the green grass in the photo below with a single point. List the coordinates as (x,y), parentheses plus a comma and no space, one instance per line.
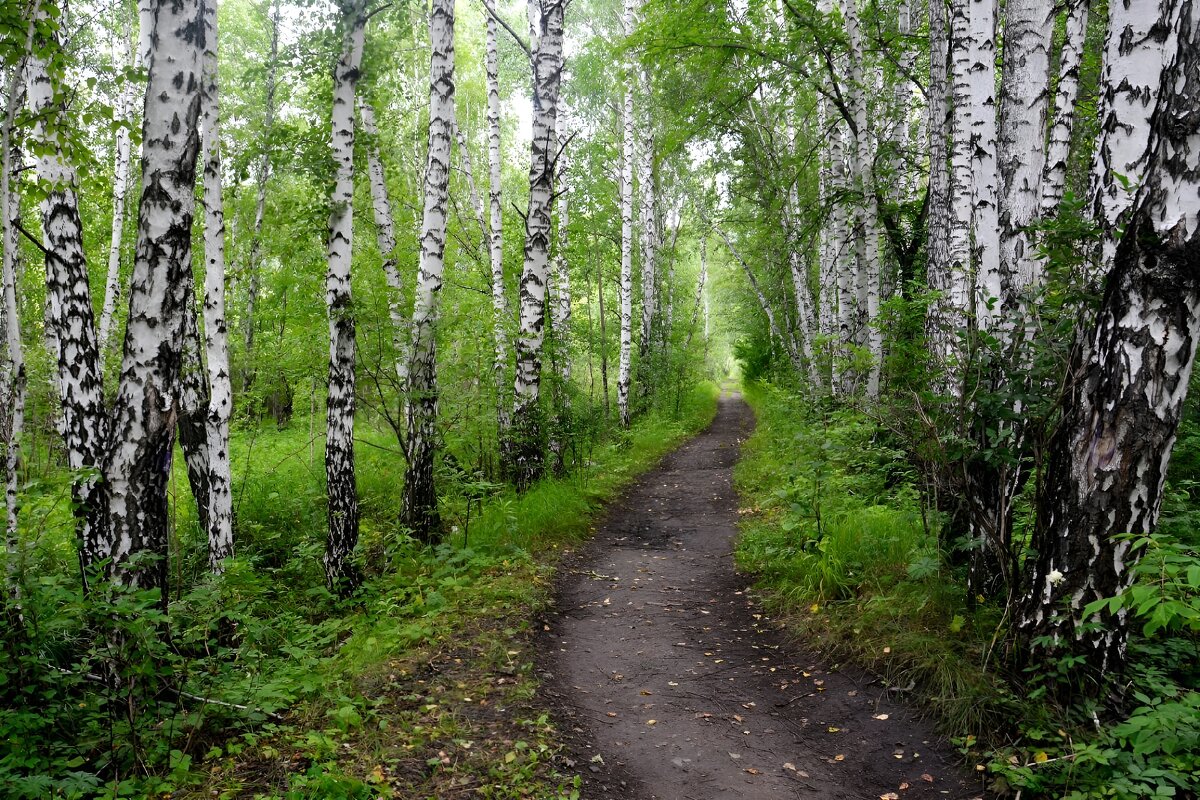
(420,686)
(850,561)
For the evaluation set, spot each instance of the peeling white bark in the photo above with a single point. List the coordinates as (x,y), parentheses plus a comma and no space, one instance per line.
(1140,37)
(496,230)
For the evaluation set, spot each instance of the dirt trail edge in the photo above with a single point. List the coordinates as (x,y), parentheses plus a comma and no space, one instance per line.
(669,684)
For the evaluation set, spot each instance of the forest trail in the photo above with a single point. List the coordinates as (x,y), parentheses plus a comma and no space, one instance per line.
(660,663)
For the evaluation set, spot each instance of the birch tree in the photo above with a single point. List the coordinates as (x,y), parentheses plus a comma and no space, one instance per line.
(343,514)
(496,229)
(546,59)
(985,225)
(145,407)
(939,267)
(1108,459)
(624,363)
(420,509)
(71,325)
(216,334)
(385,238)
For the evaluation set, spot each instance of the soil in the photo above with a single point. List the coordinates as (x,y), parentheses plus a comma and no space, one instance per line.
(671,684)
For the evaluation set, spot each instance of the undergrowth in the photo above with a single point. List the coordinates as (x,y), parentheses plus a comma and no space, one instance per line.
(266,685)
(849,555)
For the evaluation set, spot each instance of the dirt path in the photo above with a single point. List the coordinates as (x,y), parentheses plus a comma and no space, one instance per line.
(673,686)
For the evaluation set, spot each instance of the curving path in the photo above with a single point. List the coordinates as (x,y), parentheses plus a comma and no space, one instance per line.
(671,685)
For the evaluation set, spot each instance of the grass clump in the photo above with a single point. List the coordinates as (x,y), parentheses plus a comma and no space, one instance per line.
(855,562)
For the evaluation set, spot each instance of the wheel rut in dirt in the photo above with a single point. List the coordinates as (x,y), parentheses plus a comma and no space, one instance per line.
(671,685)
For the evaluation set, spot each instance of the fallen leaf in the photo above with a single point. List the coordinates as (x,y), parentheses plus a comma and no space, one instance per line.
(646,693)
(889,796)
(925,776)
(612,713)
(751,770)
(651,722)
(904,786)
(833,729)
(789,766)
(881,716)
(839,757)
(1041,757)
(735,756)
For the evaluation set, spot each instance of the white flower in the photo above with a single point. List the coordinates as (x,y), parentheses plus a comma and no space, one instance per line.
(1055,577)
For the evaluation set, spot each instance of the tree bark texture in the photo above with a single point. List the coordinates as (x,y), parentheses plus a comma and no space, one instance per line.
(624,363)
(1108,458)
(546,37)
(341,575)
(1058,149)
(216,331)
(420,511)
(138,462)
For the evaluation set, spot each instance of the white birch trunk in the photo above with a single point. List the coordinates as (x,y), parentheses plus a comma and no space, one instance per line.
(71,328)
(546,54)
(216,333)
(123,113)
(561,308)
(1139,39)
(496,238)
(627,155)
(420,511)
(959,281)
(1108,464)
(871,232)
(1058,150)
(385,238)
(136,469)
(13,386)
(649,252)
(341,576)
(938,131)
(985,223)
(1023,100)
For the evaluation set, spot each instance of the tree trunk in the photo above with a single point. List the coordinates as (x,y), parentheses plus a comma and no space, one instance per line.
(768,311)
(193,403)
(112,285)
(647,201)
(13,379)
(871,233)
(1059,148)
(70,322)
(496,238)
(958,241)
(939,267)
(1023,99)
(1136,47)
(254,265)
(341,575)
(627,155)
(420,511)
(137,466)
(216,334)
(985,223)
(385,238)
(1108,458)
(560,316)
(546,36)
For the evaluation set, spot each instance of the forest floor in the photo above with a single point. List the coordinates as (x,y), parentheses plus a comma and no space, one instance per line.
(668,681)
